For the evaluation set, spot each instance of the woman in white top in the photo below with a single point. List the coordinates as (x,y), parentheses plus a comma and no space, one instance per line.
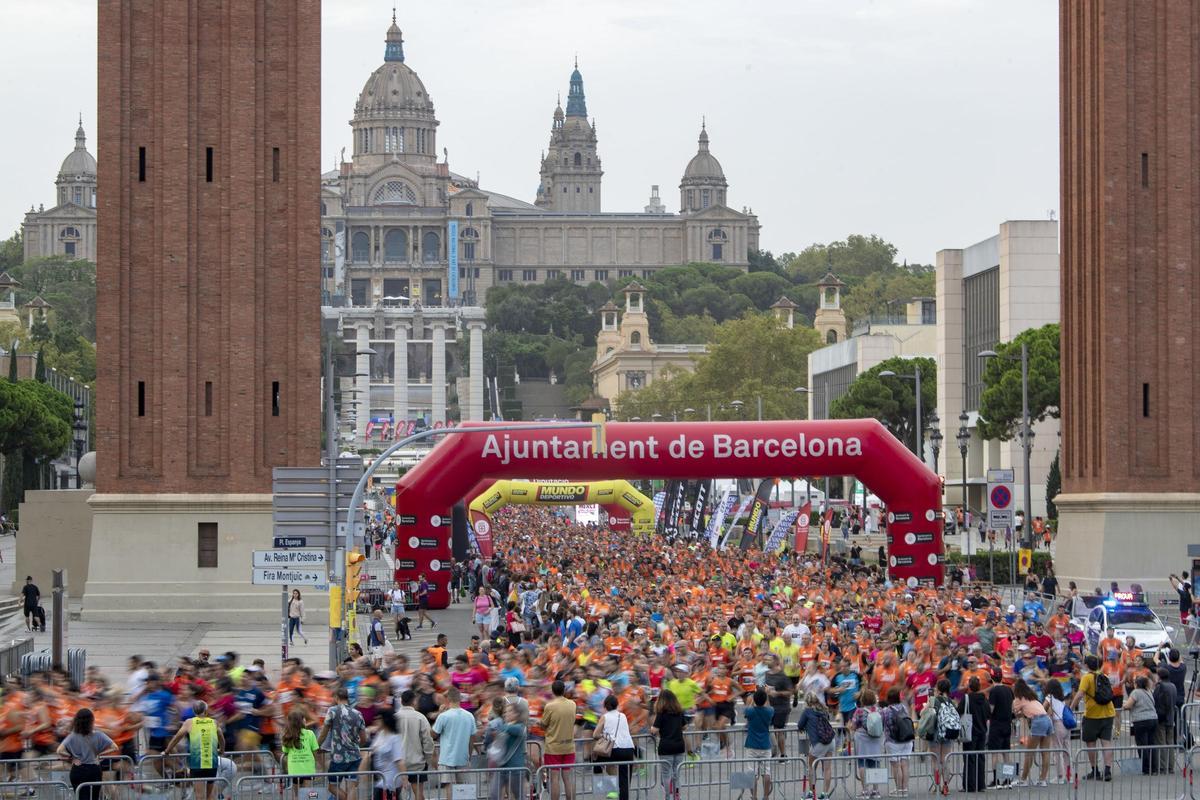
(296,617)
(614,725)
(397,598)
(386,754)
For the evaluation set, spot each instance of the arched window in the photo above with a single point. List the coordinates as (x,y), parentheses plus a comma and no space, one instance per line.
(704,198)
(69,237)
(324,208)
(69,233)
(566,161)
(470,237)
(470,209)
(691,198)
(430,246)
(717,239)
(635,340)
(578,160)
(395,245)
(360,247)
(395,193)
(831,337)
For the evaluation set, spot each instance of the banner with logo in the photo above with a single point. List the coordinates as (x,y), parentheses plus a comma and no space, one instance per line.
(452,259)
(722,508)
(826,526)
(733,520)
(758,510)
(698,505)
(666,523)
(803,520)
(779,534)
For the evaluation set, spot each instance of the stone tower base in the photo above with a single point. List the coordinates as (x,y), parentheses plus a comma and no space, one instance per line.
(145,552)
(1125,537)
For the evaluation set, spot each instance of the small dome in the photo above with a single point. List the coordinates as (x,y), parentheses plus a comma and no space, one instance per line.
(79,161)
(704,165)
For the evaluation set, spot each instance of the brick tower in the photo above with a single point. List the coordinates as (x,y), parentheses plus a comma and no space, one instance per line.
(1130,288)
(208,297)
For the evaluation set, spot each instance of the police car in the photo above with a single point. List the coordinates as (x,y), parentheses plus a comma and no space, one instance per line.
(1128,614)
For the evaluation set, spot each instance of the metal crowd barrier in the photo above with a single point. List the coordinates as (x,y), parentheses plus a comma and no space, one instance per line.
(37,790)
(154,790)
(975,770)
(475,783)
(315,786)
(855,775)
(1138,773)
(171,766)
(50,769)
(730,779)
(647,777)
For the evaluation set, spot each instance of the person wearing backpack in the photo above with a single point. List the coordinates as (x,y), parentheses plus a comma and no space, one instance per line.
(1098,714)
(975,704)
(814,723)
(867,725)
(899,733)
(947,729)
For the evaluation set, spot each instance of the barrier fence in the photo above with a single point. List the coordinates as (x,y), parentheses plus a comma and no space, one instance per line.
(648,778)
(50,769)
(861,775)
(729,779)
(173,766)
(154,790)
(317,786)
(39,790)
(1019,771)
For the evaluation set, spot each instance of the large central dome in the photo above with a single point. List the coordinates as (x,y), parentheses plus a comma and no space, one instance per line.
(394,87)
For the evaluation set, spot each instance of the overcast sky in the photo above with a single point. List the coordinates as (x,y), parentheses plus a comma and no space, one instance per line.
(926,121)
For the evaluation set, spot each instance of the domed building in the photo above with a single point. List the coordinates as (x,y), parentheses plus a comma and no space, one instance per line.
(69,227)
(400,227)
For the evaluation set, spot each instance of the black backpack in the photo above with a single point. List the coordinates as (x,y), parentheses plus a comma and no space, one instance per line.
(1102,692)
(824,728)
(902,728)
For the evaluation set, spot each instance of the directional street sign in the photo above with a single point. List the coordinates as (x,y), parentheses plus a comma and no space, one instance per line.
(290,541)
(289,577)
(288,558)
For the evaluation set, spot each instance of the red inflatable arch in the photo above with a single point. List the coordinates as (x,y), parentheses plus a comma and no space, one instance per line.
(671,450)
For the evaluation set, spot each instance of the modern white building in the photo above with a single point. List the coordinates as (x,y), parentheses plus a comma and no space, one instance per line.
(987,294)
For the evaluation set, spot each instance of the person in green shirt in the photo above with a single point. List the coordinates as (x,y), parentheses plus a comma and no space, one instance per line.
(299,746)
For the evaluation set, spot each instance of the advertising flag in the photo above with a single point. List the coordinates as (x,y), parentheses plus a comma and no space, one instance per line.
(698,505)
(779,534)
(720,511)
(803,519)
(733,520)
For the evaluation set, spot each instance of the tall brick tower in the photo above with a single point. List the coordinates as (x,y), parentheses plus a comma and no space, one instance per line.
(1130,289)
(208,294)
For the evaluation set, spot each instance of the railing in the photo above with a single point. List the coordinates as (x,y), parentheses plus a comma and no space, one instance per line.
(11,653)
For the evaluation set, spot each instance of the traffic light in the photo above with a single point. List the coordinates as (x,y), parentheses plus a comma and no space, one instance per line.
(353,569)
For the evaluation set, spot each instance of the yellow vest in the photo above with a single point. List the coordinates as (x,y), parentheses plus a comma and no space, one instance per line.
(202,741)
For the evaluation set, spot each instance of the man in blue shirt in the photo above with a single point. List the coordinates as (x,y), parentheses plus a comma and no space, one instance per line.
(845,686)
(158,712)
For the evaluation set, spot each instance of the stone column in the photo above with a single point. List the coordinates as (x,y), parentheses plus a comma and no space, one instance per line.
(475,376)
(400,372)
(438,376)
(362,382)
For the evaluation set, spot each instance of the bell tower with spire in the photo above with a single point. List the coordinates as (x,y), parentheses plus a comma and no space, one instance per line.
(570,173)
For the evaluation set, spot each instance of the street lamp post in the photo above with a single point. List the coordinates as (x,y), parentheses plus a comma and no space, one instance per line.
(964,441)
(737,406)
(1026,438)
(935,439)
(80,428)
(916,376)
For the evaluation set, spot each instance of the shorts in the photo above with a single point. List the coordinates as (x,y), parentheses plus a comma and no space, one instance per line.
(1118,700)
(1094,728)
(818,750)
(14,755)
(1041,725)
(897,749)
(423,603)
(157,743)
(482,619)
(726,710)
(202,774)
(558,759)
(129,748)
(338,770)
(780,720)
(761,759)
(999,739)
(418,775)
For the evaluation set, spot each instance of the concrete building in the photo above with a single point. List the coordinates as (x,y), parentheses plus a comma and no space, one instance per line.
(626,358)
(987,294)
(833,368)
(68,228)
(399,226)
(1130,505)
(208,319)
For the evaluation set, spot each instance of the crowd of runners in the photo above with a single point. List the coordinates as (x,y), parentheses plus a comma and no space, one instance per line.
(598,645)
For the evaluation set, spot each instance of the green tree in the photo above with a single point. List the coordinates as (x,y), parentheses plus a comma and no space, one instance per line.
(886,293)
(891,400)
(1000,403)
(35,426)
(854,257)
(12,252)
(39,370)
(765,261)
(68,285)
(1053,487)
(749,358)
(12,359)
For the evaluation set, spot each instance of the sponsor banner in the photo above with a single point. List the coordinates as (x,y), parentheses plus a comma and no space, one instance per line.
(722,508)
(899,516)
(748,539)
(659,500)
(758,510)
(406,519)
(733,520)
(674,488)
(636,502)
(698,506)
(406,563)
(561,492)
(452,259)
(779,534)
(803,520)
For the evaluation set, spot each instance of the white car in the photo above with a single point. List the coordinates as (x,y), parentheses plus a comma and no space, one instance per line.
(1127,619)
